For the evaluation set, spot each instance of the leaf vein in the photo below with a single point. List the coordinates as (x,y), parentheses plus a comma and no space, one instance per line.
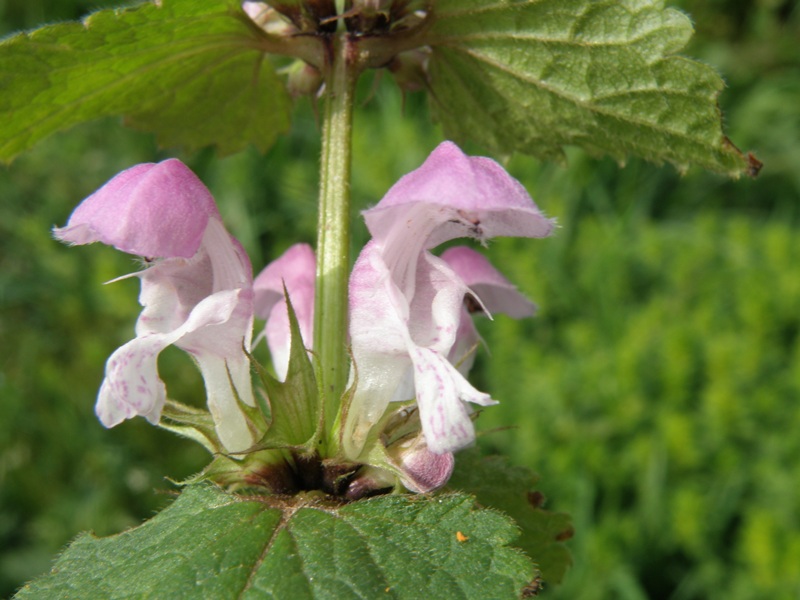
(267,547)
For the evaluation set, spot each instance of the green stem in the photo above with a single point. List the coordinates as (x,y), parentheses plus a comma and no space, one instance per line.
(333,228)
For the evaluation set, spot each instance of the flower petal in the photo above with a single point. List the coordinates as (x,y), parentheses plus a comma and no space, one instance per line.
(132,386)
(462,354)
(425,472)
(495,292)
(213,333)
(197,294)
(460,185)
(226,378)
(295,269)
(153,210)
(388,335)
(217,333)
(407,306)
(379,339)
(441,393)
(450,196)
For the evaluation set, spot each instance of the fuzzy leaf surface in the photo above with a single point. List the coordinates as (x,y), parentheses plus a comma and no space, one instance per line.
(496,483)
(533,76)
(214,545)
(191,72)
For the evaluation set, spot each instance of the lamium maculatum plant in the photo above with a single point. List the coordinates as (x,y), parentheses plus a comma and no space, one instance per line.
(336,469)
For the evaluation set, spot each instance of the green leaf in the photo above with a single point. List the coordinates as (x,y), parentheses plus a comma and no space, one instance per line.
(535,75)
(192,72)
(496,483)
(213,545)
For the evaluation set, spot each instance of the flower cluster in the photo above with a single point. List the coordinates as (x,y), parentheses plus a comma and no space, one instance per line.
(411,334)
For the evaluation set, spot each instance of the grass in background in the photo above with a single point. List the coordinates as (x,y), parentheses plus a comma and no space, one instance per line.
(656,394)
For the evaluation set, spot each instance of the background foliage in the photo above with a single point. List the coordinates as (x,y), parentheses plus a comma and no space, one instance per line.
(656,393)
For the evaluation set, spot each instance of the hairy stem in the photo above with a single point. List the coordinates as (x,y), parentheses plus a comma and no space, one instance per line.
(333,229)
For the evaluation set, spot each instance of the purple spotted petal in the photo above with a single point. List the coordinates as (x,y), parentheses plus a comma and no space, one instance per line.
(406,306)
(196,294)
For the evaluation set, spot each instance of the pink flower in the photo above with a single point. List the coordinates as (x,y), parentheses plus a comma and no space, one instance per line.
(296,270)
(406,305)
(197,293)
(411,332)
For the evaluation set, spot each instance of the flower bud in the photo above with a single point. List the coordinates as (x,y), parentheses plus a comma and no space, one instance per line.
(419,469)
(303,79)
(422,470)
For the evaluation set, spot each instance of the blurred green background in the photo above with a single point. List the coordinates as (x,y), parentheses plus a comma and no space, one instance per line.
(657,393)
